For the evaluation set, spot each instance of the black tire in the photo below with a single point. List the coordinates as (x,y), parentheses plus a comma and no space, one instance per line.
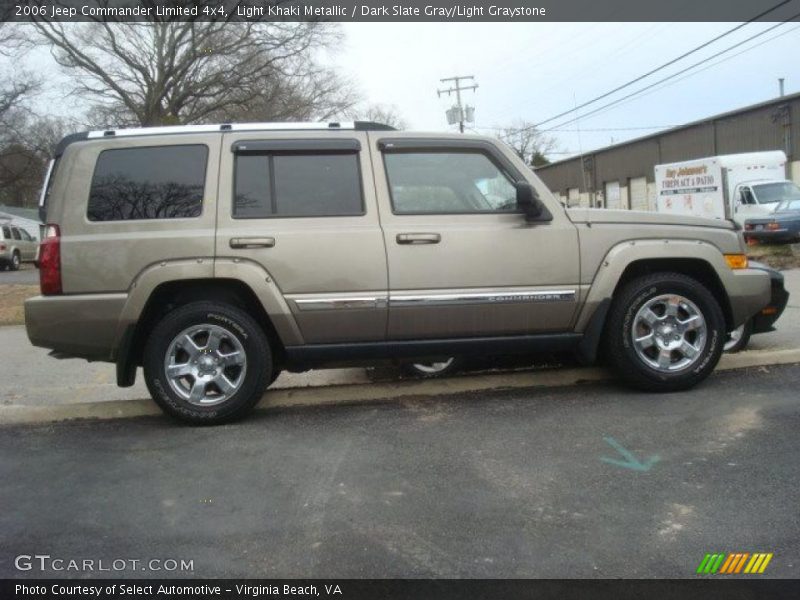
(619,343)
(739,343)
(15,261)
(276,372)
(426,369)
(236,323)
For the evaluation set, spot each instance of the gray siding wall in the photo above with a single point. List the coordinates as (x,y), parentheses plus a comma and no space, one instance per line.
(770,126)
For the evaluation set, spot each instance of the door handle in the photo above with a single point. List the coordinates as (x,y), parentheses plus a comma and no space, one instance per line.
(418,238)
(252,242)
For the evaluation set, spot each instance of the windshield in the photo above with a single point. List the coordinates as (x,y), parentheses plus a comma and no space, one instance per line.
(776,192)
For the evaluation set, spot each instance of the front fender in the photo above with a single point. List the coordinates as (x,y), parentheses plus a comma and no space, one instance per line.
(747,289)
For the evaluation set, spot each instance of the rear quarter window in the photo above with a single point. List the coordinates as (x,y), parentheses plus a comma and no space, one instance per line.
(164,182)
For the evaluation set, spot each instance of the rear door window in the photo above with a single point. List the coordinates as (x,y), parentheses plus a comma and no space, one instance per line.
(15,233)
(297,185)
(165,182)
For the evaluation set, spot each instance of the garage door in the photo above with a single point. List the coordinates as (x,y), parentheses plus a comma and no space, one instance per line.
(573,197)
(638,193)
(612,194)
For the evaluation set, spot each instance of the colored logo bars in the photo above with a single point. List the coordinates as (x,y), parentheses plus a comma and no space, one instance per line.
(727,564)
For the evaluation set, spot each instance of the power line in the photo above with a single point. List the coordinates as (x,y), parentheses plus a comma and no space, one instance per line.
(590,130)
(646,92)
(661,67)
(619,128)
(672,76)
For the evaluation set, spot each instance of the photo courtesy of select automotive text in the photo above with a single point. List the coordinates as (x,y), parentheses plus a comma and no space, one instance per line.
(399,300)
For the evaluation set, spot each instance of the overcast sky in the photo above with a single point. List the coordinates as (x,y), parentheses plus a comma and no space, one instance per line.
(535,71)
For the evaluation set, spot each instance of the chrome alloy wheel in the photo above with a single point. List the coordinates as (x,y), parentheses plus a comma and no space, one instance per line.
(205,364)
(669,333)
(432,368)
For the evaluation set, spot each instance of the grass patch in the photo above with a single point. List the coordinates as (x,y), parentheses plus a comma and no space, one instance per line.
(12,296)
(777,256)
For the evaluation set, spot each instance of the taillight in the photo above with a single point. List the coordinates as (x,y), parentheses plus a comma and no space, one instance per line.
(50,261)
(773,226)
(2,247)
(748,227)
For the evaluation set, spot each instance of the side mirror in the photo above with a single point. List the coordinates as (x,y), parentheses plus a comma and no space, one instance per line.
(528,202)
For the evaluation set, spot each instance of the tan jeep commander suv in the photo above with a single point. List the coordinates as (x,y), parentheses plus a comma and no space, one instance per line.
(215,256)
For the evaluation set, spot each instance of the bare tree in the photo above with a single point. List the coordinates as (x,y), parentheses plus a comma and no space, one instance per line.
(169,72)
(388,114)
(20,164)
(530,144)
(317,95)
(14,87)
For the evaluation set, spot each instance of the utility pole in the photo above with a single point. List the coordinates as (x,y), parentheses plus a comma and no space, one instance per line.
(458,89)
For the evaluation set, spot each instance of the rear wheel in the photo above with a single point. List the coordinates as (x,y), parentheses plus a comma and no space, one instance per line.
(15,261)
(665,332)
(207,363)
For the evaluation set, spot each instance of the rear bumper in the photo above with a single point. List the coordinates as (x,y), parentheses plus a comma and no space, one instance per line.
(83,325)
(777,235)
(748,292)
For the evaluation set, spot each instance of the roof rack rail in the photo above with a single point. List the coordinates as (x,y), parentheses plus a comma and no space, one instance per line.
(225,127)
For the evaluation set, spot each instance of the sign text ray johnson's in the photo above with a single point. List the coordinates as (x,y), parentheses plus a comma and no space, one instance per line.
(394,10)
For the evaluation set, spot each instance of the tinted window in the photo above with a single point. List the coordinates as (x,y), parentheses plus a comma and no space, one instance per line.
(448,182)
(6,233)
(25,235)
(747,196)
(148,183)
(297,185)
(15,233)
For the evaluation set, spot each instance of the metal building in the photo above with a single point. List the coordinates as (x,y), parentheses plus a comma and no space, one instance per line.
(621,176)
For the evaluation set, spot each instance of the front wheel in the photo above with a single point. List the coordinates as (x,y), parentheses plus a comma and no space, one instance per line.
(207,363)
(665,332)
(432,368)
(738,339)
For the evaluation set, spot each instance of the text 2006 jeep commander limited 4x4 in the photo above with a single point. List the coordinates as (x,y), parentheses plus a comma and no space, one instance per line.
(215,256)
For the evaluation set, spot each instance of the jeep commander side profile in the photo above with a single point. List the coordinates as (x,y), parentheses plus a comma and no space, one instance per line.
(215,256)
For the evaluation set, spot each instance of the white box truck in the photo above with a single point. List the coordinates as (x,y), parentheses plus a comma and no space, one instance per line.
(733,186)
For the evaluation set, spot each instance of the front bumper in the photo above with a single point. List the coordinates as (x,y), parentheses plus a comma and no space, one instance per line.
(748,292)
(764,320)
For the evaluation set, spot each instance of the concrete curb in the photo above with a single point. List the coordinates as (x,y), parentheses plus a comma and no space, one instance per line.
(370,392)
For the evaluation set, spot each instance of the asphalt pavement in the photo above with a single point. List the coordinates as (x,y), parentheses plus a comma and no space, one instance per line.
(589,481)
(27,274)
